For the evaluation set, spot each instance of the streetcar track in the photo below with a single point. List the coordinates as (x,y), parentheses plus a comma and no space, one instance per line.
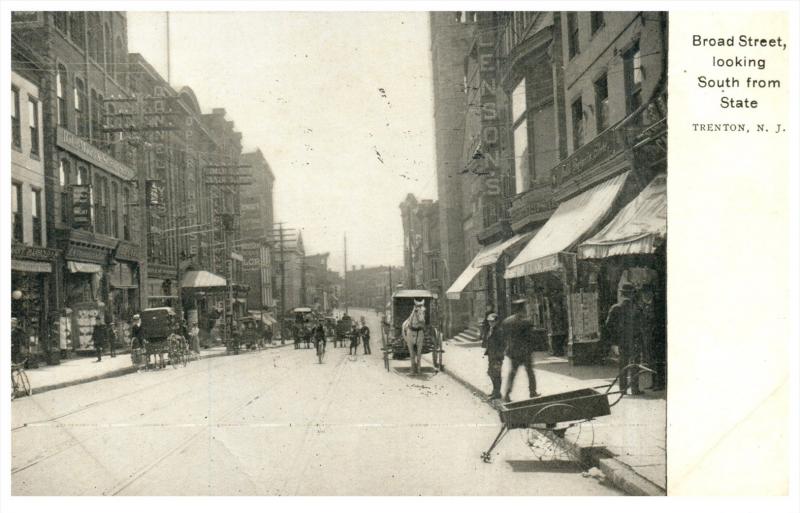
(120,487)
(88,406)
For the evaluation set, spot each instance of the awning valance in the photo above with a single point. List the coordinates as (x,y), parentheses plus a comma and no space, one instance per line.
(83,267)
(30,266)
(573,220)
(638,228)
(469,273)
(201,280)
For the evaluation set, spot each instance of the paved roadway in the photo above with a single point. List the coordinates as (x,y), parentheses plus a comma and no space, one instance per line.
(274,423)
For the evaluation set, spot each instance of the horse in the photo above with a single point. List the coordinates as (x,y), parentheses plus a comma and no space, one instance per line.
(413,330)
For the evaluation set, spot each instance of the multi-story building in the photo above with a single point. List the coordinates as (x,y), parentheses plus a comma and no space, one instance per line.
(257,217)
(289,275)
(92,172)
(421,244)
(317,289)
(370,287)
(572,106)
(31,259)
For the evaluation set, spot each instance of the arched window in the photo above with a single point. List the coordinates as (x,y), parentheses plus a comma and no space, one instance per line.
(63,181)
(110,54)
(61,92)
(76,28)
(95,37)
(95,111)
(81,109)
(119,67)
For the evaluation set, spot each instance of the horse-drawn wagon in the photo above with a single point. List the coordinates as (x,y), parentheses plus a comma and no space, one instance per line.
(160,337)
(412,329)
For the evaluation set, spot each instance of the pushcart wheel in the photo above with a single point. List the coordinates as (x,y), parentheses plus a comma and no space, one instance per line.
(559,441)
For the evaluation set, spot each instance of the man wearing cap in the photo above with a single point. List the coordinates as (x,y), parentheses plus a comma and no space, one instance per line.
(623,331)
(364,332)
(517,334)
(99,337)
(495,350)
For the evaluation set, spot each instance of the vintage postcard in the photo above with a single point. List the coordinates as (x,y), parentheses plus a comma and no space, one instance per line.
(270,250)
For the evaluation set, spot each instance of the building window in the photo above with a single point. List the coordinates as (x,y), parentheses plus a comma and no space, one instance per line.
(60,21)
(61,94)
(33,122)
(81,109)
(114,210)
(95,45)
(119,67)
(16,211)
(110,63)
(521,155)
(76,28)
(601,102)
(99,204)
(16,130)
(633,77)
(95,116)
(63,181)
(597,21)
(36,216)
(126,202)
(572,34)
(577,124)
(83,175)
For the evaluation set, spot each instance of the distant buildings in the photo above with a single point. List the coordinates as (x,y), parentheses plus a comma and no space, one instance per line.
(371,287)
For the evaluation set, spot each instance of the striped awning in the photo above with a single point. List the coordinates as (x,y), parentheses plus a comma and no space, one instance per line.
(202,280)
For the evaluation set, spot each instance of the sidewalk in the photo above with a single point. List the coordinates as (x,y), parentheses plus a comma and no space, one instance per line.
(629,445)
(80,370)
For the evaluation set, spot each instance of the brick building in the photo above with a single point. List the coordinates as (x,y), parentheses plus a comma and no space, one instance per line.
(257,218)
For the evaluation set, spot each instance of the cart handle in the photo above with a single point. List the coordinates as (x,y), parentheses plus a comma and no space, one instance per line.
(641,370)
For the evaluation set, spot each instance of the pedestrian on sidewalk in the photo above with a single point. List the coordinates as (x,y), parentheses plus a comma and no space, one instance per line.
(18,340)
(364,332)
(99,337)
(517,333)
(623,330)
(484,324)
(111,335)
(354,339)
(194,335)
(495,351)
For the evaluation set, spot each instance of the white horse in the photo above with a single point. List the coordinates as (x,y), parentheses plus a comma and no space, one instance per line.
(413,330)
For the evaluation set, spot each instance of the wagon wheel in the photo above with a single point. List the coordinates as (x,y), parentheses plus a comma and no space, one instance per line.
(547,441)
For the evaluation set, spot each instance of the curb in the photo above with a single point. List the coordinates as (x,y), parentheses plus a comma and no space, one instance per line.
(119,372)
(619,474)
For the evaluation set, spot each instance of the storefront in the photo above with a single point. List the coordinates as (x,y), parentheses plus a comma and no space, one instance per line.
(564,298)
(31,277)
(631,249)
(85,289)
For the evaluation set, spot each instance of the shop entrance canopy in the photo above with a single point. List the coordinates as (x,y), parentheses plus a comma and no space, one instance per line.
(487,256)
(573,220)
(201,280)
(638,228)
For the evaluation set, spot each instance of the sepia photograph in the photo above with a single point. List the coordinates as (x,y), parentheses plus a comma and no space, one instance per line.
(338,253)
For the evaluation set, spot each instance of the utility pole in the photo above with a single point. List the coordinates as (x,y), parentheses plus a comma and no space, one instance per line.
(279,236)
(345,274)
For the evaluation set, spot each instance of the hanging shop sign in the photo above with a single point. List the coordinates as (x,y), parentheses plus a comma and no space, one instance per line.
(154,189)
(77,146)
(81,206)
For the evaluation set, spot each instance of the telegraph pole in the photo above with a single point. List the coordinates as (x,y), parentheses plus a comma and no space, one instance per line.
(345,274)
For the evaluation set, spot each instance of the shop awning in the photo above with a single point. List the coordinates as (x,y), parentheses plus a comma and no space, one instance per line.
(201,280)
(573,220)
(454,292)
(490,254)
(83,267)
(638,228)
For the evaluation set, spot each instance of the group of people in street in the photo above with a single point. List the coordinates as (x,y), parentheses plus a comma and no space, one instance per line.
(359,334)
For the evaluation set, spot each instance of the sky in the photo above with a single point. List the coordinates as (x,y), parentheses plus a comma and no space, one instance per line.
(340,104)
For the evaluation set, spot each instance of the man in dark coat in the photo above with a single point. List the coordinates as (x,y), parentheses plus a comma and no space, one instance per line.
(623,330)
(18,340)
(517,334)
(364,332)
(99,337)
(354,334)
(495,350)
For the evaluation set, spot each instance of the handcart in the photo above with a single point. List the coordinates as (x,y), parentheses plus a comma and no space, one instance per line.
(547,419)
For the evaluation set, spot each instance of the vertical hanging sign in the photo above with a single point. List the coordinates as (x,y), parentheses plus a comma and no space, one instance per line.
(490,121)
(81,206)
